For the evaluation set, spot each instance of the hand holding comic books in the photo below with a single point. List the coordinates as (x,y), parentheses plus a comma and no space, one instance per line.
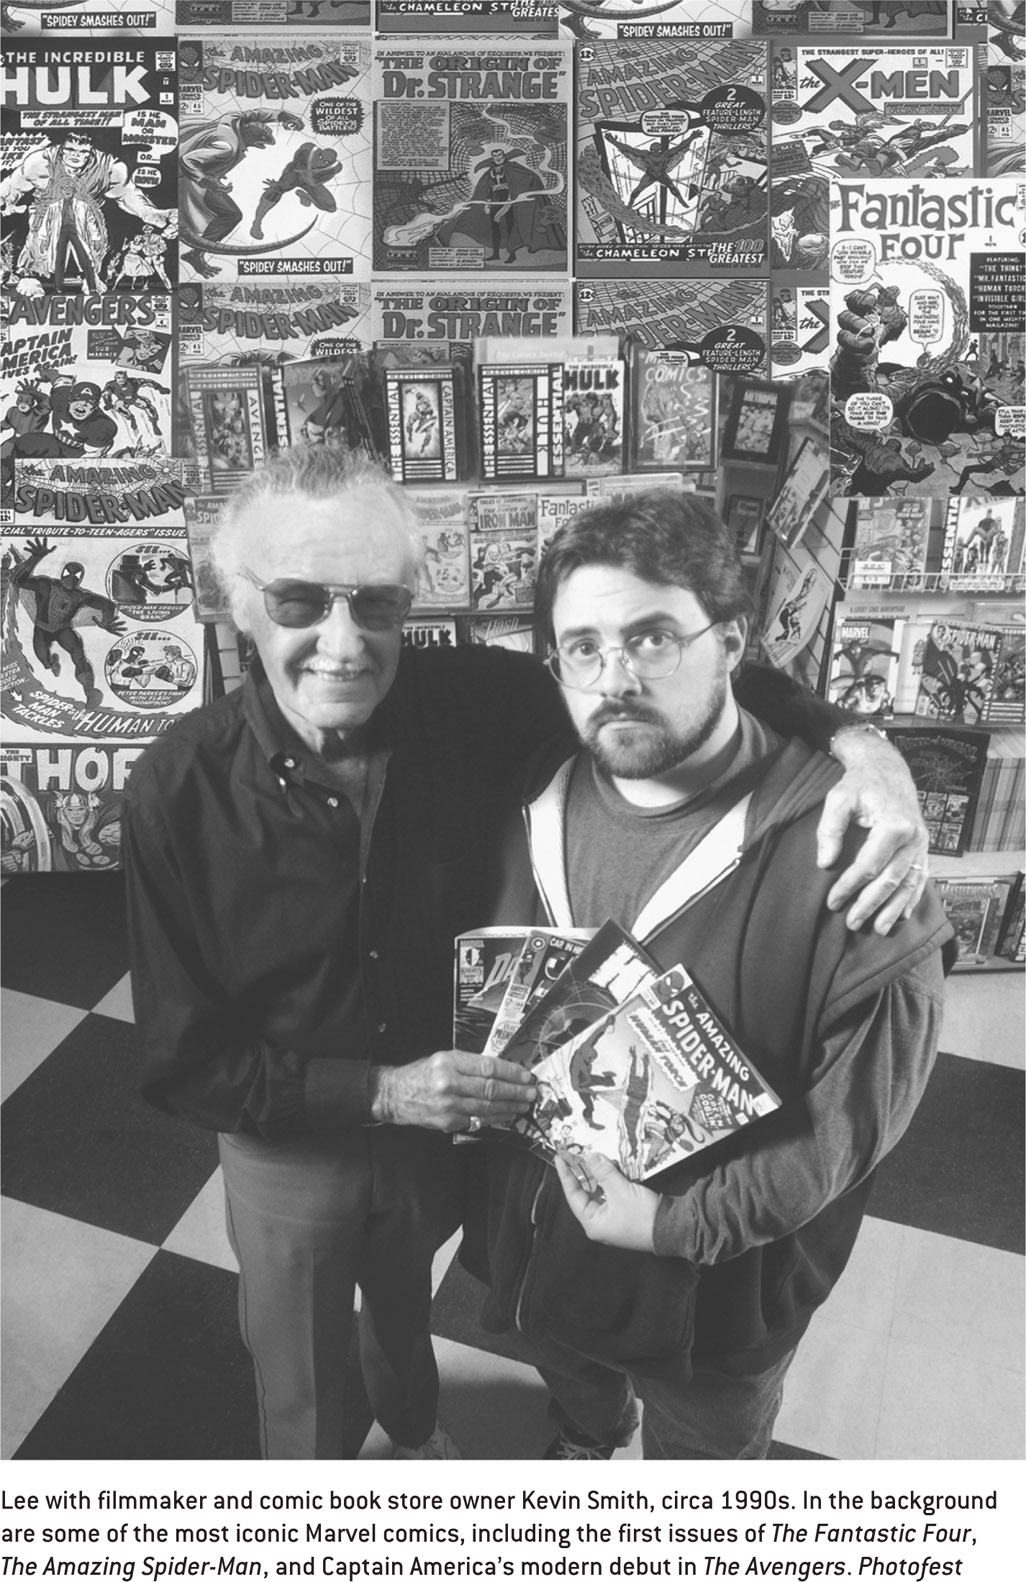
(611,1209)
(630,1063)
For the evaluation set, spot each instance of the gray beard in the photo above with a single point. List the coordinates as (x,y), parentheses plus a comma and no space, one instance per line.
(661,751)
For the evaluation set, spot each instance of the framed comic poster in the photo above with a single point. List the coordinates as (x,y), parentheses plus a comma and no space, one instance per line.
(756,422)
(744,518)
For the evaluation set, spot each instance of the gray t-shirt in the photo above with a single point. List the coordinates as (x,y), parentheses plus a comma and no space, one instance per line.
(618,854)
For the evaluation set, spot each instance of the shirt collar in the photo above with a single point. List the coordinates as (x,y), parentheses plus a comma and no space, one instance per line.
(283,749)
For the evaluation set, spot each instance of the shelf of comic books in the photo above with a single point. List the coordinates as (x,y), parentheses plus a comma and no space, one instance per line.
(985,905)
(529,254)
(926,642)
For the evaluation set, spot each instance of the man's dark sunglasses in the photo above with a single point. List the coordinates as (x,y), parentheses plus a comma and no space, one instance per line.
(374,606)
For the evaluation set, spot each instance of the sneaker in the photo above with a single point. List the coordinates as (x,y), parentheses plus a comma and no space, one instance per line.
(563,1448)
(438,1448)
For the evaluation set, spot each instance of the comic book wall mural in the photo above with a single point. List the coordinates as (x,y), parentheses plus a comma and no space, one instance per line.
(527,255)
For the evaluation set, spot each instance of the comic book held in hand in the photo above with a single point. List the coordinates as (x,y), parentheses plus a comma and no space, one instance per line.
(630,1061)
(543,957)
(653,1082)
(486,959)
(610,968)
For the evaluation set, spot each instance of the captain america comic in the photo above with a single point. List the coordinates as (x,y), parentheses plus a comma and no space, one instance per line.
(84,376)
(672,159)
(471,157)
(926,297)
(88,175)
(275,162)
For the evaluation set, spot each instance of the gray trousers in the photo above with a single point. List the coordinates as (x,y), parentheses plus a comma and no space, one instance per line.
(714,1417)
(309,1221)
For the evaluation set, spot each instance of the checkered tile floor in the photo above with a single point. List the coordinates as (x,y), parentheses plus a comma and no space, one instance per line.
(120,1339)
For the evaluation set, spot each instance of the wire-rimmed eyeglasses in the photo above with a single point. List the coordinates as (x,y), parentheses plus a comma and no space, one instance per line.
(650,656)
(374,606)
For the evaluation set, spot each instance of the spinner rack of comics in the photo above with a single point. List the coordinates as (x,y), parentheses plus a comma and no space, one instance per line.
(529,256)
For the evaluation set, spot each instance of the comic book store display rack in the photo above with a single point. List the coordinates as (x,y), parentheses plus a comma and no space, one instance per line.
(767,250)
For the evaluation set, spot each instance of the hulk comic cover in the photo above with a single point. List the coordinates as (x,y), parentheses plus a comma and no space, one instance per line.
(927,289)
(671,159)
(470,156)
(88,178)
(275,165)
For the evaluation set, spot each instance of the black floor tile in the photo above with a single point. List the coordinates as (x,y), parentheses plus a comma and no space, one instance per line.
(64,935)
(959,1168)
(455,1313)
(168,1378)
(77,1139)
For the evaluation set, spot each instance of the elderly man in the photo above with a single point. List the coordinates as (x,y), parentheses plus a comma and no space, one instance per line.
(692,823)
(299,856)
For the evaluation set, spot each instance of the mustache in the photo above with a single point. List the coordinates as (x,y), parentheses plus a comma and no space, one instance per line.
(637,712)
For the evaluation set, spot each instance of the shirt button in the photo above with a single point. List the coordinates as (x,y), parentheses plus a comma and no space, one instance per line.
(382,1027)
(333,801)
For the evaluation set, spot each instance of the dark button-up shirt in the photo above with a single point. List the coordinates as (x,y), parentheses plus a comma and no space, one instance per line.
(275,956)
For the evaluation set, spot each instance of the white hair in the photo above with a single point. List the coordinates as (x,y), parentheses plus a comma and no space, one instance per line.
(318,472)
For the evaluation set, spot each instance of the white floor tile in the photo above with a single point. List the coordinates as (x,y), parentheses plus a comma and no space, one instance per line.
(200,1233)
(443,1258)
(118,1001)
(960,1298)
(834,1391)
(31,1029)
(62,1282)
(940,1407)
(983,1017)
(864,1295)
